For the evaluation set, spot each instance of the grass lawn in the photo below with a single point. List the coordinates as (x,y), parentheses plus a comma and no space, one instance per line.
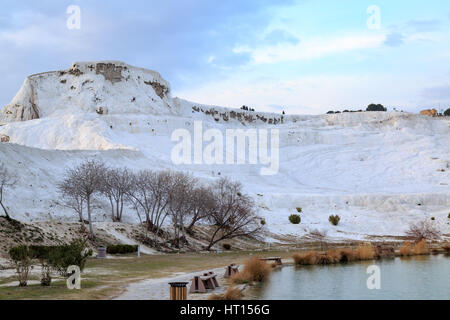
(104,279)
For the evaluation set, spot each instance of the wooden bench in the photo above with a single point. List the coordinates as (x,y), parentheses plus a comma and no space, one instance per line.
(231,270)
(276,259)
(201,283)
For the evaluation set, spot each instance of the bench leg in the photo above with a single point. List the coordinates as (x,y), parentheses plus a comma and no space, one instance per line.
(197,286)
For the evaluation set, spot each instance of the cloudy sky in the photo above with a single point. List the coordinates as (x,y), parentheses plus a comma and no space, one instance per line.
(302,56)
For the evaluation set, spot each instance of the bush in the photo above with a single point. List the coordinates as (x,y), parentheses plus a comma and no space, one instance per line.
(376,107)
(295,219)
(263,222)
(21,257)
(447,112)
(226,246)
(421,247)
(56,257)
(334,219)
(74,254)
(299,210)
(448,216)
(121,249)
(365,252)
(433,218)
(423,230)
(254,270)
(231,294)
(405,250)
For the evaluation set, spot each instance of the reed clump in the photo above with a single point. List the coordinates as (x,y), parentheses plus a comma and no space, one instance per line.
(232,293)
(421,248)
(365,252)
(254,270)
(329,257)
(306,258)
(347,255)
(406,249)
(446,248)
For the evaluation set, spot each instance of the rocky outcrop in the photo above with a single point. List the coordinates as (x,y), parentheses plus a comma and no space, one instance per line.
(159,88)
(94,87)
(110,71)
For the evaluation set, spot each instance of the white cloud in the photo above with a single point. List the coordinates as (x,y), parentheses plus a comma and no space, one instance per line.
(311,49)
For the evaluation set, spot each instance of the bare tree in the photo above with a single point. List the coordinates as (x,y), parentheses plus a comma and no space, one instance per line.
(151,193)
(203,205)
(180,203)
(234,215)
(116,184)
(7,181)
(423,230)
(72,195)
(87,180)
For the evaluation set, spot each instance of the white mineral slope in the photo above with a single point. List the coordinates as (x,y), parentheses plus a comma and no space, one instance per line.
(380,171)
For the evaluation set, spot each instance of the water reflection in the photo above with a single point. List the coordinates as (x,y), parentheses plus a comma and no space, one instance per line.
(420,277)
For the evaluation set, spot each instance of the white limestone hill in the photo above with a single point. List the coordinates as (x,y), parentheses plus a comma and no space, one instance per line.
(379,171)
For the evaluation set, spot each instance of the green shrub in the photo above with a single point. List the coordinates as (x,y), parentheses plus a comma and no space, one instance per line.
(447,113)
(299,210)
(226,246)
(433,218)
(74,254)
(121,249)
(448,216)
(295,219)
(21,257)
(263,222)
(376,107)
(58,258)
(334,219)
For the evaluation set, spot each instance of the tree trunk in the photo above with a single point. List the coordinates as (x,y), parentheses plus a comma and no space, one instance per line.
(121,208)
(6,212)
(91,228)
(112,208)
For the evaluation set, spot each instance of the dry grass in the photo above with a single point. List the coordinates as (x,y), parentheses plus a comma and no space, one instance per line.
(254,270)
(329,257)
(446,248)
(421,248)
(232,293)
(305,259)
(314,257)
(365,252)
(347,255)
(406,249)
(240,278)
